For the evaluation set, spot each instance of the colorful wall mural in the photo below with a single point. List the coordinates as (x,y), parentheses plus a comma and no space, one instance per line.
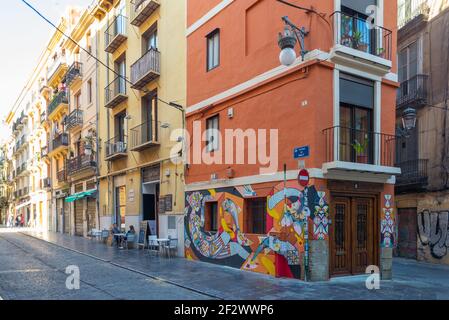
(291,214)
(387,224)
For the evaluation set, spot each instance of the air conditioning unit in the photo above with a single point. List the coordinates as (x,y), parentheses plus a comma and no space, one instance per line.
(214,176)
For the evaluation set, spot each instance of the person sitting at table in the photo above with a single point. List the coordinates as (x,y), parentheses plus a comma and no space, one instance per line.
(130,231)
(115,230)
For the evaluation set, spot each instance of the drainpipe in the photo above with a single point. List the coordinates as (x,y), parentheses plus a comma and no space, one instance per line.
(108,132)
(97,136)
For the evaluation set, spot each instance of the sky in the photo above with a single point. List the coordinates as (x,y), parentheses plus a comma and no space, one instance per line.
(23,36)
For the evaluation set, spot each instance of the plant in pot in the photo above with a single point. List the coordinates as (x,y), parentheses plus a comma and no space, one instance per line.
(357,41)
(380,52)
(360,149)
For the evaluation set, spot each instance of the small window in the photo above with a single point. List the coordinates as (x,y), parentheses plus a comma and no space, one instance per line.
(213,50)
(256,217)
(212,134)
(78,99)
(89,91)
(211,217)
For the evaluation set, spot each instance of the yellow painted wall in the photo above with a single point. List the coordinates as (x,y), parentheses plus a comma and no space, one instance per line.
(171,86)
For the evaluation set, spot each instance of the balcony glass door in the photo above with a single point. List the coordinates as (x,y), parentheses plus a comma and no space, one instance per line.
(356,141)
(356,33)
(121,70)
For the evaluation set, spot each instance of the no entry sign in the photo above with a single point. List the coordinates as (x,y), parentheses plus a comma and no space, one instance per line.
(303,178)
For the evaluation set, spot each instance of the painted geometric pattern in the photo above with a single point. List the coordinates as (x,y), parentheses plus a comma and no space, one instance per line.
(289,210)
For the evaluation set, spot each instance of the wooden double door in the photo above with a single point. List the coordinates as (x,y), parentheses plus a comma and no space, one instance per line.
(353,245)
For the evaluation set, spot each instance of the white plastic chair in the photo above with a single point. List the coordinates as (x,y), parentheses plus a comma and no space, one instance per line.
(172,246)
(153,245)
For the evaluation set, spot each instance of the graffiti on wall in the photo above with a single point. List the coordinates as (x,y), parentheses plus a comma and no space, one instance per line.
(433,232)
(279,251)
(387,224)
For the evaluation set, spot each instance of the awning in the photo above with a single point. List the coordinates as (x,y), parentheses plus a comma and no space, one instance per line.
(80,195)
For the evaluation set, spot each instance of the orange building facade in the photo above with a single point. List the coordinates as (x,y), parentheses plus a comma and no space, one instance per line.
(331,113)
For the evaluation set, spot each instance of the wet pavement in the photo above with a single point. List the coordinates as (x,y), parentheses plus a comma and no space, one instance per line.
(33,264)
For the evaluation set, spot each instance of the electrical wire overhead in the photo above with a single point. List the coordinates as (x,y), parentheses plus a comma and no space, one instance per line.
(87,51)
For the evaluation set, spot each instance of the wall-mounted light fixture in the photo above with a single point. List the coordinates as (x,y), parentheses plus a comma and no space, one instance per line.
(287,42)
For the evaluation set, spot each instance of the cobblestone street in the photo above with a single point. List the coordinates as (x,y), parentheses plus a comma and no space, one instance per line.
(32,266)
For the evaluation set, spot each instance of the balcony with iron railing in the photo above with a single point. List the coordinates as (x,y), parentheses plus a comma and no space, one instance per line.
(59,102)
(80,164)
(144,136)
(141,10)
(412,11)
(357,41)
(413,92)
(74,119)
(116,148)
(146,69)
(44,152)
(116,34)
(61,176)
(43,117)
(413,175)
(349,149)
(74,73)
(45,183)
(60,142)
(57,69)
(115,92)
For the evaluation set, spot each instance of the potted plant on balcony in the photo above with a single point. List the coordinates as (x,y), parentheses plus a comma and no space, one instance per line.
(357,41)
(360,149)
(380,52)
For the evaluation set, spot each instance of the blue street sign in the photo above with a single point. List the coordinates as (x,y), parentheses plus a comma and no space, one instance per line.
(301,152)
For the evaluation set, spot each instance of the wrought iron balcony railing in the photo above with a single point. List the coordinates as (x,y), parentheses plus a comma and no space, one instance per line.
(146,69)
(74,119)
(141,10)
(115,92)
(61,175)
(410,9)
(45,183)
(60,98)
(115,34)
(116,147)
(144,136)
(80,163)
(74,72)
(413,173)
(413,92)
(44,152)
(358,146)
(61,140)
(354,32)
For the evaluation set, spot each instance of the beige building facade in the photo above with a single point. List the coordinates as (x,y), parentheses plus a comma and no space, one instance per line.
(422,191)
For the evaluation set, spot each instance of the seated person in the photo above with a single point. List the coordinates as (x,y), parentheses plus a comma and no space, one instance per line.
(130,231)
(115,230)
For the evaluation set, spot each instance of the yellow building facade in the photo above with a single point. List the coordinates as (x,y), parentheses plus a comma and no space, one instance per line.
(143,44)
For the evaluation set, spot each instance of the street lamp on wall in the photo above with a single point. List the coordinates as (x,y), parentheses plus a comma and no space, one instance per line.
(409,119)
(287,42)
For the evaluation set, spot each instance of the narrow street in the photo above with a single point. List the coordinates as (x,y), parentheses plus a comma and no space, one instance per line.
(34,268)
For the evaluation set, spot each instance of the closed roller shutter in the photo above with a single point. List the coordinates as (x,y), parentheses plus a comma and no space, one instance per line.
(79,218)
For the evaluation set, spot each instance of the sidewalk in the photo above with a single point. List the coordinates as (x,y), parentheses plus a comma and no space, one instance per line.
(412,280)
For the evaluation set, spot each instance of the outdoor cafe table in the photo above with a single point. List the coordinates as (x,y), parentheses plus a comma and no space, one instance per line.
(163,242)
